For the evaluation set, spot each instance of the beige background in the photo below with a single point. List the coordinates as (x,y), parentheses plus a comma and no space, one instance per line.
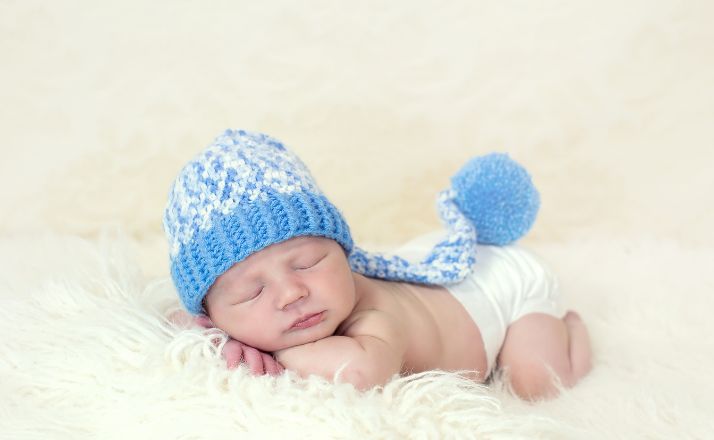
(610,105)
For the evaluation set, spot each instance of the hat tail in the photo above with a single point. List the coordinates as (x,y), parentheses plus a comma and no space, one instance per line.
(448,262)
(491,194)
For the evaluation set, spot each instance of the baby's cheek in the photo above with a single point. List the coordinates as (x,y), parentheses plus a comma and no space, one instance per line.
(256,333)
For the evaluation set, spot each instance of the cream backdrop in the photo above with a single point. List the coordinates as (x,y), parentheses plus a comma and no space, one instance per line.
(609,104)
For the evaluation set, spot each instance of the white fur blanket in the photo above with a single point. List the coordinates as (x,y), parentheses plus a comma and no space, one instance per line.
(86,353)
(608,104)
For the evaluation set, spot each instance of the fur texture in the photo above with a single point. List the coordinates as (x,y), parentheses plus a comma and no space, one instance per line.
(89,354)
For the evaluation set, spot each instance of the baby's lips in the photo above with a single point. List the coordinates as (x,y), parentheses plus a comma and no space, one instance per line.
(309,320)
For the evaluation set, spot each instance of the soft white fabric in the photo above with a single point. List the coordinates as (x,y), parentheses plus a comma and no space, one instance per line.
(86,353)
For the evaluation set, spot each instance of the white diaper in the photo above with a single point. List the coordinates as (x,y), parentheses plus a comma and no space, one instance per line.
(507,282)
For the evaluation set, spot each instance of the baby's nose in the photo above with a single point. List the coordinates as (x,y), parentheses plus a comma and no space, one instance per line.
(290,293)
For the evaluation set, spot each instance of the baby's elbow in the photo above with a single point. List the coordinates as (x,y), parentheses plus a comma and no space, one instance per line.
(363,378)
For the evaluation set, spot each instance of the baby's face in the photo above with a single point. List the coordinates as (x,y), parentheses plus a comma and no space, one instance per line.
(287,294)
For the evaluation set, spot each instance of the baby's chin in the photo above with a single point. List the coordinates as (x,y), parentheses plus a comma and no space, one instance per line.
(273,346)
(300,338)
(287,339)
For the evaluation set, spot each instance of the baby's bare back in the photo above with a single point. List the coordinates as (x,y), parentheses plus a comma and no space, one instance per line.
(438,332)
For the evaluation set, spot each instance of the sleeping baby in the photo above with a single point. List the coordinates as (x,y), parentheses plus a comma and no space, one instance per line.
(258,251)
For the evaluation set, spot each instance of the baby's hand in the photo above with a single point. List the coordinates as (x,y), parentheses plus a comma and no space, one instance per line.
(234,351)
(258,361)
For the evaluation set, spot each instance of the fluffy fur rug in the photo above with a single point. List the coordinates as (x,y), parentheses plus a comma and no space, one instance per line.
(87,353)
(608,104)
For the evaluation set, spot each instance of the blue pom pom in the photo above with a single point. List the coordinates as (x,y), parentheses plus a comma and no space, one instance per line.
(497,195)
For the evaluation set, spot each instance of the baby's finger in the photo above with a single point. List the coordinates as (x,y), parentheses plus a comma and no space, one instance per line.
(232,353)
(270,364)
(203,321)
(254,360)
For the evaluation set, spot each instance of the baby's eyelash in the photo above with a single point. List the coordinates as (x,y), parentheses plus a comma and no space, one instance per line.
(254,294)
(311,265)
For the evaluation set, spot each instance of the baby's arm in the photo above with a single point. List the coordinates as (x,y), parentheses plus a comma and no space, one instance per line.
(368,359)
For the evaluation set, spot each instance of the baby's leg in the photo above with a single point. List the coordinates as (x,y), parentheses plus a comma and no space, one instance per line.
(536,344)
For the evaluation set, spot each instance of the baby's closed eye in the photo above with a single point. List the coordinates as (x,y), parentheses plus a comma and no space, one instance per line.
(307,263)
(247,294)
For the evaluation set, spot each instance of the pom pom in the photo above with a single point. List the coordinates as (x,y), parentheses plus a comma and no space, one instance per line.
(497,195)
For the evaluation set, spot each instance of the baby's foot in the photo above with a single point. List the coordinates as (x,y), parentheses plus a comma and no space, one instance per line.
(579,345)
(572,318)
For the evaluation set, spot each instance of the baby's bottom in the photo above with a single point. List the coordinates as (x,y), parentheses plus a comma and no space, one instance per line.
(507,284)
(538,346)
(514,300)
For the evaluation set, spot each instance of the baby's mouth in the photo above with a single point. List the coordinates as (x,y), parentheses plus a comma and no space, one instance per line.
(308,320)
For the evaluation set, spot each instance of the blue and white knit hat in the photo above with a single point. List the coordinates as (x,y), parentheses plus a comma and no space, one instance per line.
(246,191)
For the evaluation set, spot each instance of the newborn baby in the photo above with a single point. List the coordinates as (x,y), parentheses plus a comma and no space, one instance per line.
(258,248)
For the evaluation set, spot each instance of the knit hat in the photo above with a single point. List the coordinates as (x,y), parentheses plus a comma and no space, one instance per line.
(246,191)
